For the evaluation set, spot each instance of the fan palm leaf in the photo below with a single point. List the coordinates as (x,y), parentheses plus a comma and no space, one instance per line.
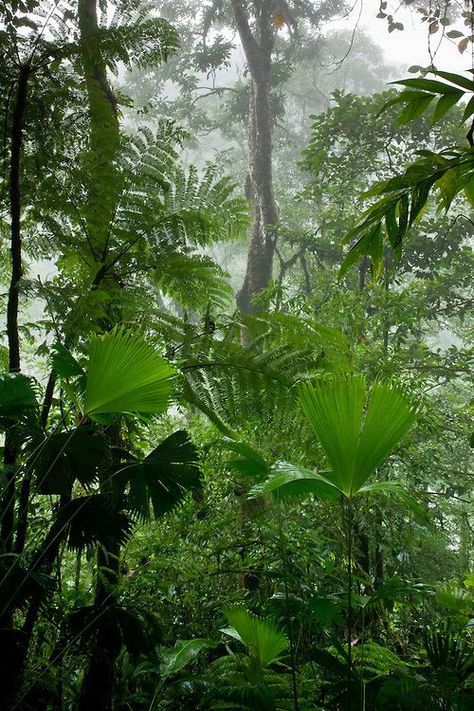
(357,430)
(125,374)
(263,640)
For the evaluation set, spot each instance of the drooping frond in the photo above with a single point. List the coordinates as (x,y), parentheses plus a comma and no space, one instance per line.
(193,280)
(251,385)
(236,385)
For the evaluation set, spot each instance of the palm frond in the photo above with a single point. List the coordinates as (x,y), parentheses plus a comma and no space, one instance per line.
(163,478)
(356,442)
(261,637)
(125,374)
(291,480)
(335,411)
(390,415)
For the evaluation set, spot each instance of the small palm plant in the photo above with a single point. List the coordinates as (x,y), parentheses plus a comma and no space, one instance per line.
(358,428)
(246,678)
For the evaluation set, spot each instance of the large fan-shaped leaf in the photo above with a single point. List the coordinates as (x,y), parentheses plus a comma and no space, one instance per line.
(356,443)
(125,374)
(16,394)
(93,519)
(263,640)
(163,477)
(66,456)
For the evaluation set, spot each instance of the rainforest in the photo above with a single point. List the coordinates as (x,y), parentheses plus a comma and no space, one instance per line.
(236,355)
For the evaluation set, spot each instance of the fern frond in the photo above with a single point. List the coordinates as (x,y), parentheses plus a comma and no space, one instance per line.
(195,281)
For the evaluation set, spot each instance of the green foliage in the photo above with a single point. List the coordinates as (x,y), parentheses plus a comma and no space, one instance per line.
(162,478)
(16,395)
(422,91)
(401,201)
(290,480)
(357,430)
(179,656)
(263,641)
(125,374)
(64,457)
(129,532)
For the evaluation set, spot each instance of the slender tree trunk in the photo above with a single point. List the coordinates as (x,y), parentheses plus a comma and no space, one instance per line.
(258,48)
(14,363)
(9,637)
(350,532)
(104,134)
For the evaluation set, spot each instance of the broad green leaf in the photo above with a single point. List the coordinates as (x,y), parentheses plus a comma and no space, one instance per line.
(469,191)
(249,462)
(393,488)
(457,79)
(125,374)
(369,244)
(394,590)
(469,110)
(64,363)
(334,409)
(292,480)
(445,103)
(183,652)
(469,581)
(431,85)
(415,108)
(264,642)
(356,442)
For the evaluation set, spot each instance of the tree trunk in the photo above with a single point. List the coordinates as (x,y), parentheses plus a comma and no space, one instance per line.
(103,188)
(98,682)
(14,364)
(9,637)
(258,48)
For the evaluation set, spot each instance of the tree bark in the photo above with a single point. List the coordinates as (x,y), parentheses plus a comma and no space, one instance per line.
(258,47)
(98,682)
(104,145)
